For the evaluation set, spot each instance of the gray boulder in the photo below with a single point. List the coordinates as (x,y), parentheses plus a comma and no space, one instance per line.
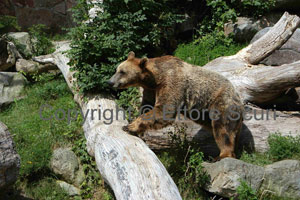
(9,159)
(8,54)
(11,87)
(287,5)
(225,176)
(71,190)
(283,178)
(32,67)
(245,28)
(65,164)
(288,53)
(22,42)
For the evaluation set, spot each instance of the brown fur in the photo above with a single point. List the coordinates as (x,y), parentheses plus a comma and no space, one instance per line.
(169,81)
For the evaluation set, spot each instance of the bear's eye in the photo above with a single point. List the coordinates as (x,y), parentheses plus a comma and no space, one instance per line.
(122,72)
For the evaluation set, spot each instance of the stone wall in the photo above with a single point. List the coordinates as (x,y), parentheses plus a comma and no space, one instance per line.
(53,13)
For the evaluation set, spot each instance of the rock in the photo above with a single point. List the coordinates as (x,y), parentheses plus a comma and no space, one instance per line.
(9,159)
(245,28)
(283,178)
(27,66)
(8,54)
(11,87)
(288,53)
(6,8)
(70,189)
(226,175)
(52,13)
(32,67)
(22,42)
(60,8)
(298,93)
(65,164)
(287,5)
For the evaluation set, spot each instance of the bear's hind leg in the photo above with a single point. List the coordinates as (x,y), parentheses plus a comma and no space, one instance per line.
(224,139)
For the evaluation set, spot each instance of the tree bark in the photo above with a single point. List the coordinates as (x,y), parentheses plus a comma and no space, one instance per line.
(132,169)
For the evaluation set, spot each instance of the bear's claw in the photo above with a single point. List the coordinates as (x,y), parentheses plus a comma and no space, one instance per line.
(125,128)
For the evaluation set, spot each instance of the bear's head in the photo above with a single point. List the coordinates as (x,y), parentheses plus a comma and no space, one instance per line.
(128,73)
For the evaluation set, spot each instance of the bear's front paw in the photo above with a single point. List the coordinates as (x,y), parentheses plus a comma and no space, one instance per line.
(130,129)
(125,128)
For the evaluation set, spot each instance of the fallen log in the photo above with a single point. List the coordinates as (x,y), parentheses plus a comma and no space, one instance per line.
(125,162)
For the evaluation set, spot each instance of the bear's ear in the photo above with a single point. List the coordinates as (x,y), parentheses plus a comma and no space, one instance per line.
(131,55)
(143,63)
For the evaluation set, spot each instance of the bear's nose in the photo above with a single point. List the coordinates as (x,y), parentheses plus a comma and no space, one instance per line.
(110,83)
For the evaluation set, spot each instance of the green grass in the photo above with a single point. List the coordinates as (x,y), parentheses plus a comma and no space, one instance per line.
(207,48)
(260,159)
(284,147)
(280,148)
(35,139)
(33,136)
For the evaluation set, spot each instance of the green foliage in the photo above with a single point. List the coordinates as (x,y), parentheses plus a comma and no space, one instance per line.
(280,147)
(256,158)
(41,44)
(46,189)
(129,99)
(245,191)
(194,176)
(123,26)
(211,46)
(184,163)
(8,23)
(284,147)
(21,47)
(222,11)
(252,8)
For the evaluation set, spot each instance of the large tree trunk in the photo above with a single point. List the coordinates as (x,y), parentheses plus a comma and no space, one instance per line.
(132,169)
(126,163)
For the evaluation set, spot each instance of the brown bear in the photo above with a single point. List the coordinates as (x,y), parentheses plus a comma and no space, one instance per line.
(174,86)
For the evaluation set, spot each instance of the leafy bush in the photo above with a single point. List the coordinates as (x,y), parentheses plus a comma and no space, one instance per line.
(206,48)
(245,191)
(41,44)
(194,174)
(283,147)
(8,23)
(222,11)
(184,163)
(122,26)
(129,99)
(256,158)
(46,189)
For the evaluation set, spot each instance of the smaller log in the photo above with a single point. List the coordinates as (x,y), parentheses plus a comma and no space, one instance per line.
(254,134)
(274,39)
